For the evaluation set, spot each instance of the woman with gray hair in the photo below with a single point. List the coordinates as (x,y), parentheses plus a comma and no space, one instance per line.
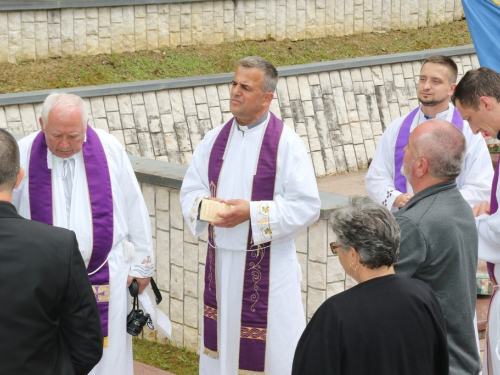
(387,324)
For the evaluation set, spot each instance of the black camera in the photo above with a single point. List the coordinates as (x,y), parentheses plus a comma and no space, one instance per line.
(135,321)
(136,318)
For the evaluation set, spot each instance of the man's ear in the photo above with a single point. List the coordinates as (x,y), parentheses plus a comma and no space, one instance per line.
(268,98)
(487,102)
(452,89)
(420,167)
(20,176)
(41,124)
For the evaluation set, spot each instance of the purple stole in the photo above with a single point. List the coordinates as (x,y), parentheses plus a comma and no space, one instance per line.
(101,202)
(491,266)
(402,141)
(255,301)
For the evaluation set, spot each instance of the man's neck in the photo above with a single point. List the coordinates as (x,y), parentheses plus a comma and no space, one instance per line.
(6,196)
(422,184)
(258,119)
(433,111)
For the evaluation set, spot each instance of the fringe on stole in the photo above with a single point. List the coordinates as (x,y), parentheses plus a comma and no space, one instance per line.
(246,372)
(105,342)
(211,353)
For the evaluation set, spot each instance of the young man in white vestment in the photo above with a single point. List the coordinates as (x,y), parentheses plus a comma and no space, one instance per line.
(81,179)
(253,313)
(477,97)
(384,181)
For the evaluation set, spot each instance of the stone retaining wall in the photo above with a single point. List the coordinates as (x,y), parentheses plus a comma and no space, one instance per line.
(180,257)
(38,30)
(339,109)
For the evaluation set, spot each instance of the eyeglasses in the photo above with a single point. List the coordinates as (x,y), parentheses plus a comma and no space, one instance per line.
(334,246)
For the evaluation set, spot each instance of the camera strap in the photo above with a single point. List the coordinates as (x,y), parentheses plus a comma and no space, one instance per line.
(156,291)
(134,292)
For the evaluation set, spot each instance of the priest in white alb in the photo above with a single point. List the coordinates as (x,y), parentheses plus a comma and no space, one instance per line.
(384,180)
(253,313)
(81,179)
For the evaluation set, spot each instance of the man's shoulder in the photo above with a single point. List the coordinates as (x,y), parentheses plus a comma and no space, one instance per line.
(57,237)
(412,215)
(289,134)
(27,140)
(435,208)
(108,139)
(391,131)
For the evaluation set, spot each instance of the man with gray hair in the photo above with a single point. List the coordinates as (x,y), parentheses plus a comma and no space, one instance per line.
(80,178)
(50,323)
(439,241)
(259,168)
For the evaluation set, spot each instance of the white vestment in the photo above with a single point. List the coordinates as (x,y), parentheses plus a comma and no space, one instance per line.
(488,228)
(474,182)
(296,205)
(131,224)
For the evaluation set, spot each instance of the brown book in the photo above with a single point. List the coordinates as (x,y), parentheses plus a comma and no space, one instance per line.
(210,208)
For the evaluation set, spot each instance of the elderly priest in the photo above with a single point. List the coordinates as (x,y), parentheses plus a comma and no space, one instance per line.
(81,179)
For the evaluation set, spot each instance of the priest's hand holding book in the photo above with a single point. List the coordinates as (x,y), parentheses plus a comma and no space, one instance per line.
(224,213)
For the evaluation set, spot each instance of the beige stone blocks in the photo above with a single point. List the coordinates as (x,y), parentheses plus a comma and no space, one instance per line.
(87,31)
(340,115)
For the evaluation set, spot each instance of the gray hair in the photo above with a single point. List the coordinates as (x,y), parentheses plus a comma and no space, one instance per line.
(270,79)
(444,148)
(370,229)
(9,161)
(65,103)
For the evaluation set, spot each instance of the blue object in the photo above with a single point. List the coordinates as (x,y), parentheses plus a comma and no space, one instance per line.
(483,18)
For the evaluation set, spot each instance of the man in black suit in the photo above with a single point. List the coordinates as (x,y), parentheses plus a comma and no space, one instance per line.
(49,320)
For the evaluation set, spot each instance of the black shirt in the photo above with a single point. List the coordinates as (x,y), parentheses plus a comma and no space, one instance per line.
(390,325)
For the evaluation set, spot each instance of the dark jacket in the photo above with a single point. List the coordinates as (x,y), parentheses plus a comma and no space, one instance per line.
(49,320)
(389,325)
(439,246)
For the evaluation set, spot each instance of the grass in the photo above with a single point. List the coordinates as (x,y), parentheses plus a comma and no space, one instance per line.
(211,59)
(179,361)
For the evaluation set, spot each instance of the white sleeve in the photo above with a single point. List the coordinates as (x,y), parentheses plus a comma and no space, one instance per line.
(488,230)
(20,196)
(195,187)
(296,205)
(477,172)
(138,222)
(379,179)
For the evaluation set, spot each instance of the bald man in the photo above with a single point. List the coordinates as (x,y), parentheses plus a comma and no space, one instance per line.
(439,241)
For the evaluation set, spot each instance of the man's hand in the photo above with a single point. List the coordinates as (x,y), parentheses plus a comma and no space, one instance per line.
(401,200)
(143,282)
(481,208)
(236,215)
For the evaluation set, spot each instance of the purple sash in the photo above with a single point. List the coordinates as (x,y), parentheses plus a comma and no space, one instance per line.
(101,202)
(402,141)
(255,301)
(491,266)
